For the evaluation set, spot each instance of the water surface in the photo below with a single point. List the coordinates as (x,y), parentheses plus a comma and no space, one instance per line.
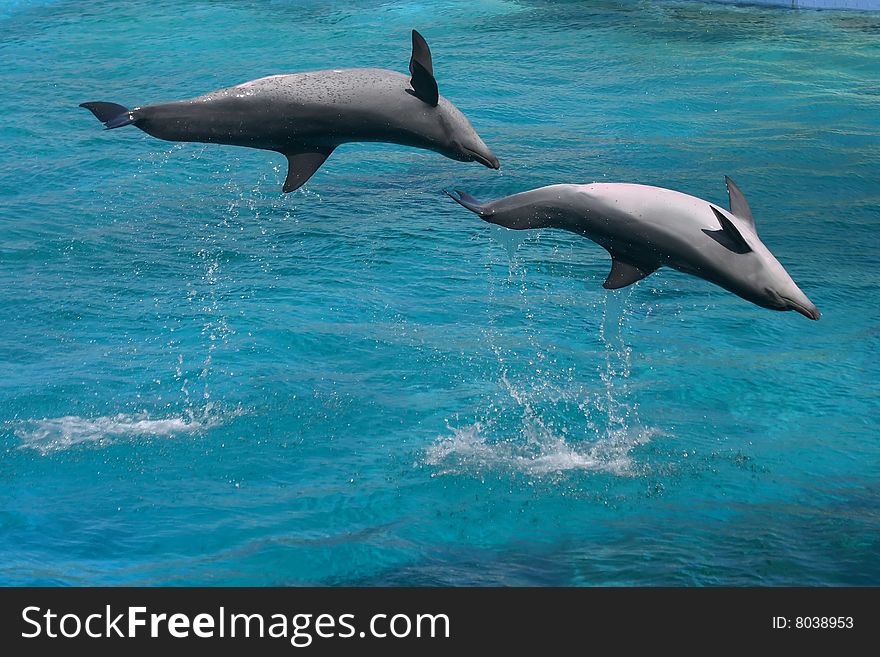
(204,381)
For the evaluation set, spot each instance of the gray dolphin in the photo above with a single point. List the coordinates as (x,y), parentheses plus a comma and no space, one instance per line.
(645,228)
(307,115)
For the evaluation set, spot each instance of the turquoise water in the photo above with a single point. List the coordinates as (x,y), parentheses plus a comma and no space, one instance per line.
(204,381)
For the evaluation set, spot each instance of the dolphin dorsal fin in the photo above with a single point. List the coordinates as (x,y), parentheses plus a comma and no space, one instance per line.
(731,232)
(422,69)
(302,165)
(623,274)
(739,207)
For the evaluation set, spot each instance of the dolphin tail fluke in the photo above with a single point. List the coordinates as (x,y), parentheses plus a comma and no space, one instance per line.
(468,201)
(110,114)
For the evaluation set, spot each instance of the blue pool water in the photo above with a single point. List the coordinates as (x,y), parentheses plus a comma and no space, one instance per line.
(204,381)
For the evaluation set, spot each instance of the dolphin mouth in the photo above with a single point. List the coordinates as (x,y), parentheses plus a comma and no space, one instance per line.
(810,311)
(491,162)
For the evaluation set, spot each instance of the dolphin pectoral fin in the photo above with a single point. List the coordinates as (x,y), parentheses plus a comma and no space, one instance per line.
(623,274)
(424,86)
(738,204)
(302,166)
(737,243)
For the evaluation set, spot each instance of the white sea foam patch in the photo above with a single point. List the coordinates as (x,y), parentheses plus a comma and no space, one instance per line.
(470,449)
(60,433)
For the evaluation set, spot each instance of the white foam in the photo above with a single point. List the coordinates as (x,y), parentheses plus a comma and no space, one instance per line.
(60,433)
(468,449)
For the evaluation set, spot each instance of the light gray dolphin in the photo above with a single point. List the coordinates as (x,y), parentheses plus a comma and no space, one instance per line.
(307,115)
(645,228)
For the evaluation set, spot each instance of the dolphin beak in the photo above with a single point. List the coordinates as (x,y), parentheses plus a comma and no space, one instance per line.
(807,309)
(488,160)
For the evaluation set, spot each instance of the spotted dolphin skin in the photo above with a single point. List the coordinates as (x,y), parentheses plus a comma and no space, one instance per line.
(645,228)
(305,116)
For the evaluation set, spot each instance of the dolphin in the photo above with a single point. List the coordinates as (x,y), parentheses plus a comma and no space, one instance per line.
(305,116)
(644,228)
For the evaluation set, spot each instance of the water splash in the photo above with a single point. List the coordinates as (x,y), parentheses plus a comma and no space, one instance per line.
(194,412)
(471,448)
(552,421)
(614,403)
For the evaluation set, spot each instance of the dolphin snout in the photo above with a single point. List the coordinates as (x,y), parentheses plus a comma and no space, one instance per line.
(794,300)
(807,311)
(804,306)
(486,158)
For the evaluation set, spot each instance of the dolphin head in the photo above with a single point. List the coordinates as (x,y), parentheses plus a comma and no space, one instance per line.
(771,286)
(793,299)
(453,136)
(756,274)
(441,126)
